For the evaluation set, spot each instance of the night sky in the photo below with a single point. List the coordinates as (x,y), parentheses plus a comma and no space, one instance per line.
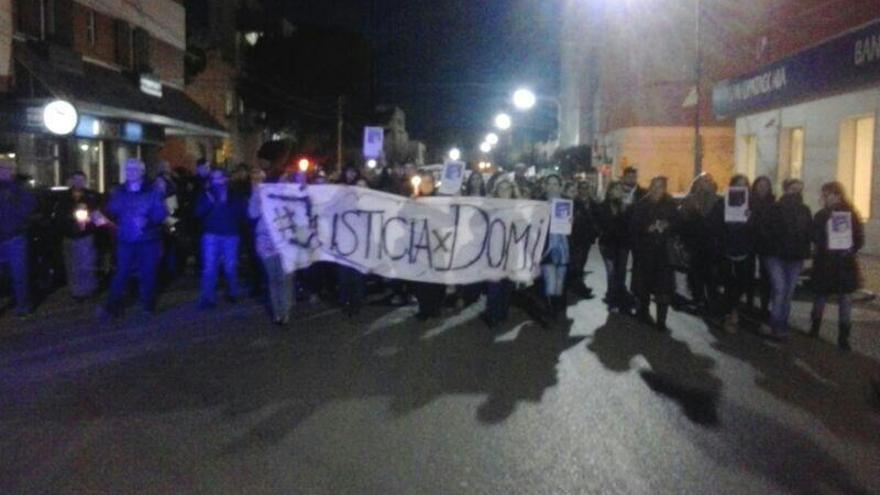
(451,64)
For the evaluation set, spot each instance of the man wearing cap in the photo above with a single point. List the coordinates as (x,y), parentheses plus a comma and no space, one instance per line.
(16,207)
(139,211)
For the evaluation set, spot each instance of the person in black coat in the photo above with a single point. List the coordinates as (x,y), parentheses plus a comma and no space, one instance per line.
(612,220)
(654,219)
(761,201)
(835,265)
(583,235)
(791,224)
(734,244)
(74,216)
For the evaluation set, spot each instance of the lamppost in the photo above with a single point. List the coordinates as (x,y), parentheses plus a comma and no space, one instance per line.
(454,154)
(698,77)
(503,121)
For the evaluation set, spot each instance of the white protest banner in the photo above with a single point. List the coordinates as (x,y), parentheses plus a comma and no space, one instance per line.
(374,141)
(840,231)
(563,215)
(447,240)
(736,205)
(453,175)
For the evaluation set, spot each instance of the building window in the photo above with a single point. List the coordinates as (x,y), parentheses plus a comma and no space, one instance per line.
(91,28)
(855,164)
(230,104)
(747,157)
(791,154)
(123,43)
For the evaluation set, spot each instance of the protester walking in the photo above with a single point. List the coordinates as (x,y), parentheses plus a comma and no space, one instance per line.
(222,215)
(280,284)
(75,216)
(475,187)
(613,222)
(430,296)
(702,246)
(16,207)
(139,211)
(557,257)
(734,241)
(791,224)
(499,292)
(583,236)
(352,283)
(839,235)
(653,222)
(761,201)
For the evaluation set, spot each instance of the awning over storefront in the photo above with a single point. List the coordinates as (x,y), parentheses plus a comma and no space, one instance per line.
(106,93)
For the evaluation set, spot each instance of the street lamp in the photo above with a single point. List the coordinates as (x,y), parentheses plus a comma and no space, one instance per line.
(524,99)
(371,163)
(503,121)
(454,154)
(485,147)
(492,138)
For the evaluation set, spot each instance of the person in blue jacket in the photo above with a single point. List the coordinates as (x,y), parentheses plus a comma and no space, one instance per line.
(139,211)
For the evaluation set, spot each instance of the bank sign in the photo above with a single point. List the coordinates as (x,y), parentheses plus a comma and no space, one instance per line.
(849,61)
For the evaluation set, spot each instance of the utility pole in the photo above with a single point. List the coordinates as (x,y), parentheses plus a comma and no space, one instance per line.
(698,76)
(339,125)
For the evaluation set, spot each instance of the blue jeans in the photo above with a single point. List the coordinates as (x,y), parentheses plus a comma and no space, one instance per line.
(783,279)
(141,258)
(13,254)
(217,249)
(554,279)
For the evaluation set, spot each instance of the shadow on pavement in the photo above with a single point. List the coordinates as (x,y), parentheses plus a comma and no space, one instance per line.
(268,383)
(812,375)
(674,371)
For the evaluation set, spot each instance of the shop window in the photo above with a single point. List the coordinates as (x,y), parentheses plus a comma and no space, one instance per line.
(791,154)
(91,28)
(747,158)
(855,164)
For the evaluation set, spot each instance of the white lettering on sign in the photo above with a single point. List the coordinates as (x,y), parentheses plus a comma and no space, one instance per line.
(761,84)
(868,50)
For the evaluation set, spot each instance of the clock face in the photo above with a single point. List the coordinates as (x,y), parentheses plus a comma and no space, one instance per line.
(60,117)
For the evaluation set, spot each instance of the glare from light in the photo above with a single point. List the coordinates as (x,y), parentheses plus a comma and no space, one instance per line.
(524,99)
(492,138)
(454,154)
(10,155)
(304,165)
(81,215)
(96,128)
(371,164)
(485,147)
(252,37)
(416,182)
(84,147)
(503,121)
(60,117)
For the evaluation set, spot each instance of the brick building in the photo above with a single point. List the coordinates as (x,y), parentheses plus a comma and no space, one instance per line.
(118,68)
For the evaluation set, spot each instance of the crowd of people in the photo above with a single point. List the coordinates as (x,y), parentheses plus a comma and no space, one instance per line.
(212,220)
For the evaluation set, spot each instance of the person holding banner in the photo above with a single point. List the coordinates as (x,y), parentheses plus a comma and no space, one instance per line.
(499,293)
(761,201)
(557,254)
(430,296)
(475,186)
(279,283)
(352,283)
(839,235)
(791,224)
(654,219)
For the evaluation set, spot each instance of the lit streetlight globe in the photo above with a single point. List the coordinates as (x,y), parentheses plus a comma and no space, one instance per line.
(371,163)
(523,99)
(485,147)
(503,121)
(492,138)
(454,154)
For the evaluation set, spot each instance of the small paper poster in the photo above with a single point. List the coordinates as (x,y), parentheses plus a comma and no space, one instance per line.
(736,205)
(453,175)
(562,212)
(840,231)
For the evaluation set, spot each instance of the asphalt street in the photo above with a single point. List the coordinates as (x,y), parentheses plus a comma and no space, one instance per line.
(222,402)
